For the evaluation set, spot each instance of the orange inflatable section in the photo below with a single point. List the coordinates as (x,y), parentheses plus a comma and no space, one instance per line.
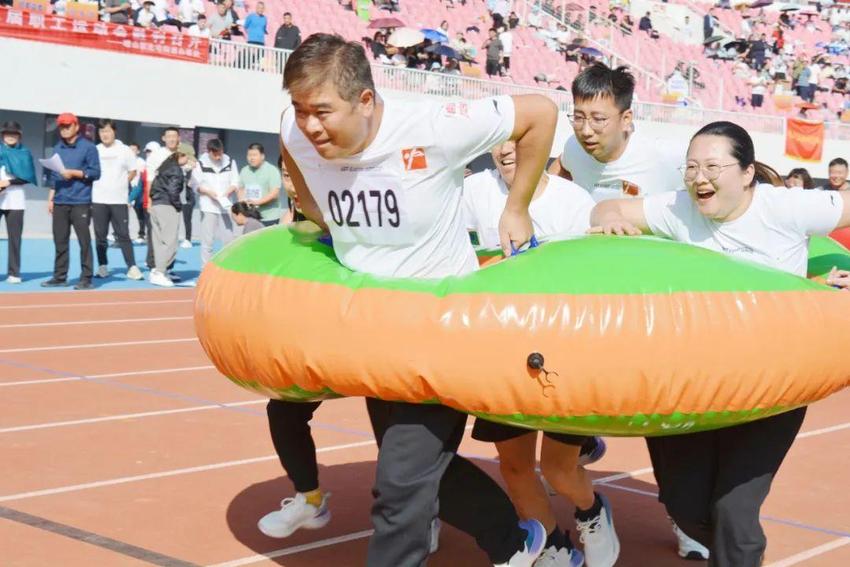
(608,354)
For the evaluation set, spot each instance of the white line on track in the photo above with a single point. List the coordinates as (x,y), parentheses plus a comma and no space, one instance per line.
(96,345)
(120,417)
(296,549)
(809,553)
(95,304)
(165,474)
(110,375)
(816,432)
(95,322)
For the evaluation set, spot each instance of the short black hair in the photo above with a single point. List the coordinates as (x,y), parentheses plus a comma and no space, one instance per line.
(287,14)
(599,80)
(106,123)
(257,146)
(202,17)
(243,208)
(328,57)
(168,129)
(838,161)
(215,145)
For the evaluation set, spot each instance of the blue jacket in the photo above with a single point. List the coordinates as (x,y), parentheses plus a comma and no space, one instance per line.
(81,155)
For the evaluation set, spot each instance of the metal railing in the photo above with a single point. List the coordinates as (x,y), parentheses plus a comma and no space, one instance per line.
(246,57)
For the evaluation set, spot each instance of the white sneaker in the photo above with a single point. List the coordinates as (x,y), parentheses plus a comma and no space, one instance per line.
(435,536)
(534,542)
(601,546)
(185,244)
(140,241)
(134,273)
(554,557)
(102,272)
(295,513)
(689,548)
(13,280)
(158,278)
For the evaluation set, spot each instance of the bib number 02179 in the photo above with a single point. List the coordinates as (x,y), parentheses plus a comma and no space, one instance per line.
(364,208)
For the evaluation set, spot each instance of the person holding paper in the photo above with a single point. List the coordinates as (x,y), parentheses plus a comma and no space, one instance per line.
(17,172)
(216,178)
(69,201)
(259,185)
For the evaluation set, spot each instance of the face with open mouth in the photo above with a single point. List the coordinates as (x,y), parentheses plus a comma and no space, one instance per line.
(504,156)
(720,187)
(600,127)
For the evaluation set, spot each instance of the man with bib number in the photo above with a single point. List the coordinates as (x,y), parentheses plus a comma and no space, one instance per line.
(259,185)
(385,177)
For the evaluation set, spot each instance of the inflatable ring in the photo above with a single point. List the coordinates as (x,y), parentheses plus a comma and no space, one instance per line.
(597,335)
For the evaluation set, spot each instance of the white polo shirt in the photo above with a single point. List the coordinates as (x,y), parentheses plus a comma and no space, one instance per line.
(116,162)
(395,209)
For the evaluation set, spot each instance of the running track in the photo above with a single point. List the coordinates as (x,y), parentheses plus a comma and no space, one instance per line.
(120,445)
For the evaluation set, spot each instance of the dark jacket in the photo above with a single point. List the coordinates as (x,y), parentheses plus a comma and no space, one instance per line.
(169,183)
(287,37)
(82,155)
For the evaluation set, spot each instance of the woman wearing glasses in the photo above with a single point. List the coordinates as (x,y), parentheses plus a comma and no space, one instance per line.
(713,483)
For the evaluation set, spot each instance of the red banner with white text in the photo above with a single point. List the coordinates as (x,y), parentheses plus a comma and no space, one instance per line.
(38,26)
(804,139)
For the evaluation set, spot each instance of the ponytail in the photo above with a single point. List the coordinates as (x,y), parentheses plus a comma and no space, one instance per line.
(766,174)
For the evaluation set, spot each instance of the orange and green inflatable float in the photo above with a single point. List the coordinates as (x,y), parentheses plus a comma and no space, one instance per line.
(597,335)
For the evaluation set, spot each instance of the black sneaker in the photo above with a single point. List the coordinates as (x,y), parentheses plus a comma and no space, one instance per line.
(53,282)
(84,284)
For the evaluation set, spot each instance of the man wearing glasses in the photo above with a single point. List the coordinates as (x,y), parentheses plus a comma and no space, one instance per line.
(605,155)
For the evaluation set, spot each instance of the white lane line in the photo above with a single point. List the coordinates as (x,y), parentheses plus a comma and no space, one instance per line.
(165,474)
(815,432)
(621,476)
(296,549)
(809,553)
(96,304)
(120,417)
(95,322)
(110,375)
(96,345)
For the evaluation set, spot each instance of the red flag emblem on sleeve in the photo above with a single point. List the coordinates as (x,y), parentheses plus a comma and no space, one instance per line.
(414,159)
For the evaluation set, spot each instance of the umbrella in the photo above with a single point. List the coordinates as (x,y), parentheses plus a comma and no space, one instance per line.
(385,23)
(443,50)
(713,39)
(790,9)
(406,37)
(591,52)
(738,44)
(437,36)
(761,3)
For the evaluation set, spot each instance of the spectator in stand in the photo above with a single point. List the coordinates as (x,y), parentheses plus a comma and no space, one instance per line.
(799,177)
(493,47)
(506,37)
(837,176)
(757,52)
(170,182)
(758,88)
(804,88)
(222,22)
(645,24)
(137,189)
(201,29)
(189,12)
(109,199)
(815,76)
(288,35)
(119,11)
(234,16)
(216,177)
(146,18)
(69,201)
(17,175)
(257,25)
(513,20)
(259,185)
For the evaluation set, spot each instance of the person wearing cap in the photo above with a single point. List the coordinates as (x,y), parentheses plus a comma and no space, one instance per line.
(17,171)
(170,182)
(69,201)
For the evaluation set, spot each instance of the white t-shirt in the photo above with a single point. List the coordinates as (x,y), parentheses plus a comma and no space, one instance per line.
(563,209)
(815,73)
(12,197)
(218,177)
(189,10)
(395,209)
(647,166)
(507,39)
(116,162)
(195,31)
(160,9)
(773,231)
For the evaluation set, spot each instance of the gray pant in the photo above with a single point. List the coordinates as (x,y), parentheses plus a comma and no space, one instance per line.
(165,226)
(214,226)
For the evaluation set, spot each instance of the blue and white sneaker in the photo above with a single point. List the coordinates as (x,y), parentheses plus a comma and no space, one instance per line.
(596,452)
(601,546)
(554,557)
(534,542)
